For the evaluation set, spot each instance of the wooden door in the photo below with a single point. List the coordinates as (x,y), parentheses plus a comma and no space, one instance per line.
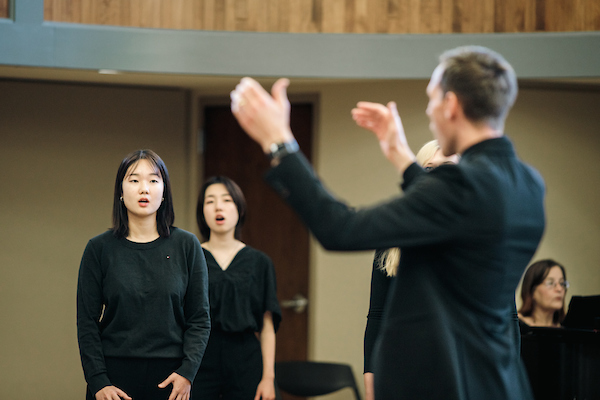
(271,226)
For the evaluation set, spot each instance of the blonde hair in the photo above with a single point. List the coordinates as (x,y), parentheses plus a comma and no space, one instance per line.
(390,259)
(427,152)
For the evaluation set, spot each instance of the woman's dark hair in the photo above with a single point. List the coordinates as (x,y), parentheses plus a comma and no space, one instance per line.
(535,276)
(236,195)
(165,215)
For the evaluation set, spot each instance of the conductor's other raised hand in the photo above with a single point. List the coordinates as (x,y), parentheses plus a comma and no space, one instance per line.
(385,123)
(264,117)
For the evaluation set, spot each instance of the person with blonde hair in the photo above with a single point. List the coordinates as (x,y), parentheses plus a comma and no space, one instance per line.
(429,157)
(385,266)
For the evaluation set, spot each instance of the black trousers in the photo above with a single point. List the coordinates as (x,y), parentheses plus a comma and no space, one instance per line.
(231,368)
(139,377)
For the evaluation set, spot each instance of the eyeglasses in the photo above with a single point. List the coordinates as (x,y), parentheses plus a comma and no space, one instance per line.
(551,284)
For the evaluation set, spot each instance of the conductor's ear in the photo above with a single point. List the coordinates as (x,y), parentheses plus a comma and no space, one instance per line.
(452,106)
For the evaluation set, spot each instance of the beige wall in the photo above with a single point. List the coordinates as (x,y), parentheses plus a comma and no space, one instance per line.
(557,132)
(60,146)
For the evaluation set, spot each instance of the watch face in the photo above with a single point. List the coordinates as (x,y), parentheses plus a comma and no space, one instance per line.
(274,147)
(279,150)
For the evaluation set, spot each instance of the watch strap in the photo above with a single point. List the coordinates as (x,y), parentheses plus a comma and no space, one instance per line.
(280,150)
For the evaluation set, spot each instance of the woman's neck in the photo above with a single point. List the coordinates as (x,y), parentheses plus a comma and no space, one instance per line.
(541,317)
(223,248)
(142,230)
(221,241)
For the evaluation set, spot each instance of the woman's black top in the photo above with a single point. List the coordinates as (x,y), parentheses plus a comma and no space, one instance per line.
(142,300)
(380,283)
(242,293)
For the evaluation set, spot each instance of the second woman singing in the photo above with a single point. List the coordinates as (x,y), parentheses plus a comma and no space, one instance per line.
(245,314)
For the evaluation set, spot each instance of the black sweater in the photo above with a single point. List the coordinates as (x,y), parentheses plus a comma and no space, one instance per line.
(142,300)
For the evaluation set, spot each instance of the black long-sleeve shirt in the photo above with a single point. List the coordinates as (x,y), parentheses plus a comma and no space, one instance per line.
(380,284)
(142,300)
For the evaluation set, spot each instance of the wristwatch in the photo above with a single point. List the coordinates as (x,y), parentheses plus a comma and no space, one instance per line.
(279,150)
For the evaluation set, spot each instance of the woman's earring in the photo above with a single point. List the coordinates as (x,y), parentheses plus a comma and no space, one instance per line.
(121,198)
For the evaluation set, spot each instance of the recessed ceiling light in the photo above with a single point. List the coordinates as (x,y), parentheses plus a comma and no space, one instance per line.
(109,72)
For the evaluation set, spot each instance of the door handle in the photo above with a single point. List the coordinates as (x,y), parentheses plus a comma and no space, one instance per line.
(298,303)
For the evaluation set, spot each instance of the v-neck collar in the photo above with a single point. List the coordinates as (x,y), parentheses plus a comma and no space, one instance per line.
(230,263)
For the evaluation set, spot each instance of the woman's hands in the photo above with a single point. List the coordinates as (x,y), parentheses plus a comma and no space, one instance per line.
(111,393)
(181,389)
(181,386)
(265,390)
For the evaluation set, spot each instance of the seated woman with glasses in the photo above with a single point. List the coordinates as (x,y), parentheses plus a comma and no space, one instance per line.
(543,294)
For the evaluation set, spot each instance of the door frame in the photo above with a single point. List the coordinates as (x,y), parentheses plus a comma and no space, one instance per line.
(198,103)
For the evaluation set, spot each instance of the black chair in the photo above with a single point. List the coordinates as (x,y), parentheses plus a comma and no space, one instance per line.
(309,378)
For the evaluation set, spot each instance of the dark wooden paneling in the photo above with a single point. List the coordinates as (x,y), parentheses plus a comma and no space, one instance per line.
(333,16)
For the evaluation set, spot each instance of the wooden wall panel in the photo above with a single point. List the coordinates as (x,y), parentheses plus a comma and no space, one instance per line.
(561,14)
(333,16)
(518,15)
(271,17)
(432,16)
(4,11)
(592,15)
(399,14)
(473,16)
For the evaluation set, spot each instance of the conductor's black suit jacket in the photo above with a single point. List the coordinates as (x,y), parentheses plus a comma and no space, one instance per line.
(467,232)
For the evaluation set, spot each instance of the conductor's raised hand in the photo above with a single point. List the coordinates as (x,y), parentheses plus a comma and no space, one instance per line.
(181,387)
(385,123)
(265,117)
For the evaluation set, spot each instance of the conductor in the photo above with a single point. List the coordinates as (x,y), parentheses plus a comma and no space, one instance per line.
(466,231)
